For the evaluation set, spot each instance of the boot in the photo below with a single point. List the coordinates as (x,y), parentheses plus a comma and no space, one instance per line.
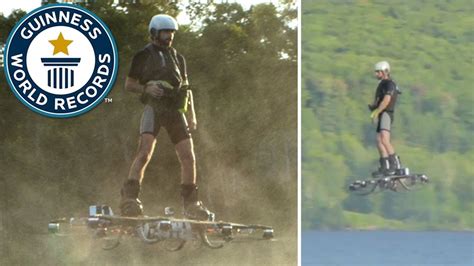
(384,168)
(395,163)
(193,208)
(399,169)
(130,205)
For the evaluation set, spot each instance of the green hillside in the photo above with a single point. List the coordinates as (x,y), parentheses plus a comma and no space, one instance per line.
(430,47)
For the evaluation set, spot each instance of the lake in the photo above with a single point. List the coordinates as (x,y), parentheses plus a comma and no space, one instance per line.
(387,248)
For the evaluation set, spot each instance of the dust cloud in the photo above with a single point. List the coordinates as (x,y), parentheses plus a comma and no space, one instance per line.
(47,179)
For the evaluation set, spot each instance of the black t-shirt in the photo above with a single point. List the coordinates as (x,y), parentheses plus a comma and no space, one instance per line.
(138,64)
(160,63)
(387,87)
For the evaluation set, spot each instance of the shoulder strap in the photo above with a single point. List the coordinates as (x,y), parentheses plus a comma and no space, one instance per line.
(156,56)
(181,65)
(179,60)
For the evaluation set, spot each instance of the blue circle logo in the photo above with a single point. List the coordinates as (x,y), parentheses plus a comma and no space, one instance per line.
(61,60)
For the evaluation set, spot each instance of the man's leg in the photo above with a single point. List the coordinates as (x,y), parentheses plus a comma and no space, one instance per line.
(393,158)
(130,204)
(385,142)
(146,147)
(380,146)
(383,160)
(387,153)
(185,152)
(193,208)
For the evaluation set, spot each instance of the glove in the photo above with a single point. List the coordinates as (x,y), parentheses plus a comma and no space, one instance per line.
(371,107)
(164,88)
(374,115)
(161,83)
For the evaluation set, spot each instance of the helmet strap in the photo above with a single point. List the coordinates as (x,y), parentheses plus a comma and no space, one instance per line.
(154,34)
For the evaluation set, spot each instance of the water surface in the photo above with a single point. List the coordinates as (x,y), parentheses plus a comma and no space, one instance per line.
(387,248)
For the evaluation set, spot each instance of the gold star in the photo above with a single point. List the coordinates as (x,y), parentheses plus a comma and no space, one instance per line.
(60,44)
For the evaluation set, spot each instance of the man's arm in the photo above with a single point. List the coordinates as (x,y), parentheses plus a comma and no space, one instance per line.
(385,102)
(133,85)
(151,88)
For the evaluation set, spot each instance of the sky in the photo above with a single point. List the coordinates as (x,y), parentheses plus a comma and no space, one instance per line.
(8,6)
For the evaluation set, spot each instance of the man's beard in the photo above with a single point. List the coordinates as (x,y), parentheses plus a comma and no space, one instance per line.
(166,42)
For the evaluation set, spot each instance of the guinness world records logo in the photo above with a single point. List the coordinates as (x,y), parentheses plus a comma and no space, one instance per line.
(61,60)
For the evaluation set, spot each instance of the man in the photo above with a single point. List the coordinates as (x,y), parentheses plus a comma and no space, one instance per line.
(158,73)
(383,108)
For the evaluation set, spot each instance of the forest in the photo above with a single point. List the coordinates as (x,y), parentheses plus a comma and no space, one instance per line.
(429,47)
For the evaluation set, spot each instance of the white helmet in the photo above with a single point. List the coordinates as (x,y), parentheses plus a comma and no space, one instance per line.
(162,22)
(382,66)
